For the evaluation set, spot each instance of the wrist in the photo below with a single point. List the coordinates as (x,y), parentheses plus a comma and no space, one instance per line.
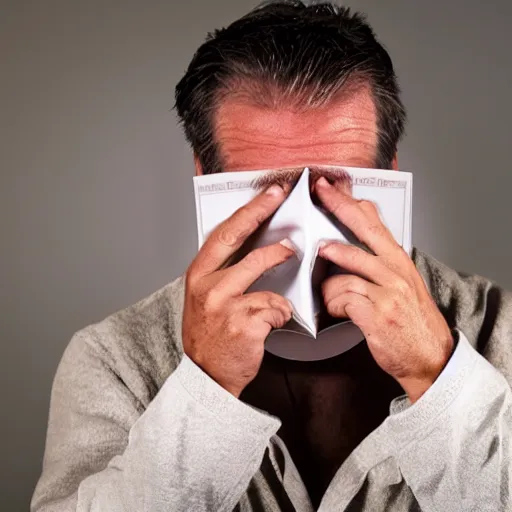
(233,388)
(415,388)
(416,385)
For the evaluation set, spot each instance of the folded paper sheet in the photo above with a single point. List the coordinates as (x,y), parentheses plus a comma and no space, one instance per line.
(312,334)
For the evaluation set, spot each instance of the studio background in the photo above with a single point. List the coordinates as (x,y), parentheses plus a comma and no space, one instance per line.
(96,199)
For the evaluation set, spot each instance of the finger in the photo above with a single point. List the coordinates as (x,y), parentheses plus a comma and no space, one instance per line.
(236,279)
(229,236)
(266,308)
(357,261)
(338,285)
(361,217)
(273,318)
(354,306)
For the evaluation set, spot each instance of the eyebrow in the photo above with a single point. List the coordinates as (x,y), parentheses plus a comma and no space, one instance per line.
(337,176)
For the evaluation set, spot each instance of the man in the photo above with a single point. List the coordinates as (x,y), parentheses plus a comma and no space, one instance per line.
(173,404)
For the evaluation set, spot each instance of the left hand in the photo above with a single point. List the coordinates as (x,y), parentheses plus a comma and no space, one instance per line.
(384,295)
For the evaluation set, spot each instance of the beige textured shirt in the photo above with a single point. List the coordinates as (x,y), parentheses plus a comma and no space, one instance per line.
(136,426)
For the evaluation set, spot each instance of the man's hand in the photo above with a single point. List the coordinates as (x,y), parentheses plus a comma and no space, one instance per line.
(384,295)
(224,330)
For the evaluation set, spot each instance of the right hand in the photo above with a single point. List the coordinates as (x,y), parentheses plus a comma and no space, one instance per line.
(224,330)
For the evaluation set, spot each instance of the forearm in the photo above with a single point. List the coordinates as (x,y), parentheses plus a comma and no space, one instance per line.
(196,447)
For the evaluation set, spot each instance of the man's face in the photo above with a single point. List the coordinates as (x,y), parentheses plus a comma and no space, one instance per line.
(251,137)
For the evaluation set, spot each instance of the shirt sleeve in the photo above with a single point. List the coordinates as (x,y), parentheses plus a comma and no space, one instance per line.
(195,447)
(454,443)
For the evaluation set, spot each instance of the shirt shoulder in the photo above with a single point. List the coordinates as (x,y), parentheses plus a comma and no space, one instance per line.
(141,344)
(477,306)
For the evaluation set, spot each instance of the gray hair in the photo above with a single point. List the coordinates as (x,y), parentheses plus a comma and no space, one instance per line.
(294,53)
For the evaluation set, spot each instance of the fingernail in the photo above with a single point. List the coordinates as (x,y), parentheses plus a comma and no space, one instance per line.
(274,191)
(322,182)
(323,246)
(290,245)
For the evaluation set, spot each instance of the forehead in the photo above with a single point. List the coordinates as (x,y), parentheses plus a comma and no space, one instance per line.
(341,132)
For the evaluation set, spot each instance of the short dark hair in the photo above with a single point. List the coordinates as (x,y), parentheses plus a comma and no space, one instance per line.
(302,52)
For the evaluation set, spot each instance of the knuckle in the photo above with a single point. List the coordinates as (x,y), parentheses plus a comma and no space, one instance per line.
(353,283)
(333,307)
(279,318)
(277,303)
(211,300)
(270,300)
(260,215)
(368,206)
(252,213)
(270,296)
(389,306)
(190,279)
(376,229)
(227,236)
(402,286)
(232,330)
(250,225)
(385,308)
(283,305)
(276,317)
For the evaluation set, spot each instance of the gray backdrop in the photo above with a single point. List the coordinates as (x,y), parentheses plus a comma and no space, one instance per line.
(96,197)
